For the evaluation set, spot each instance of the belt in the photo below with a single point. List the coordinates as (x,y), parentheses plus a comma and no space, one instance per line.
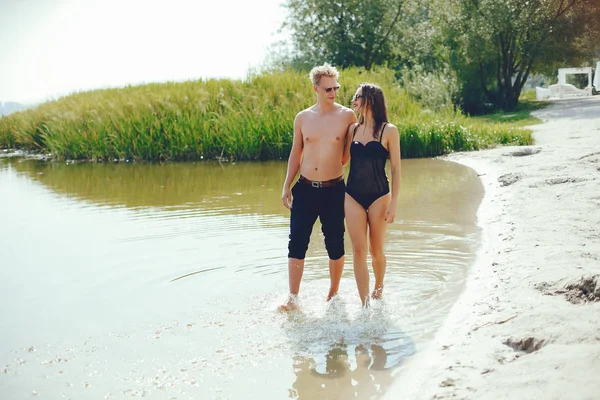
(321,184)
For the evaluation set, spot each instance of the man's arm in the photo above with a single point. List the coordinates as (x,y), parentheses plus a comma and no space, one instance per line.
(347,144)
(294,161)
(352,121)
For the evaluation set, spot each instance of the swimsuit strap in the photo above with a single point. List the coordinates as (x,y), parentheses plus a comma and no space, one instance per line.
(381,133)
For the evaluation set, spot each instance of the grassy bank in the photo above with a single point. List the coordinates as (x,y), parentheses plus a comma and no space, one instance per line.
(520,117)
(244,120)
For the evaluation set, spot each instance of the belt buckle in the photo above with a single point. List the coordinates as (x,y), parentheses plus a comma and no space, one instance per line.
(316,184)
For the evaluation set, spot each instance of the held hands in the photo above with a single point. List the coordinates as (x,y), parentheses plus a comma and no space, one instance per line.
(390,213)
(286,198)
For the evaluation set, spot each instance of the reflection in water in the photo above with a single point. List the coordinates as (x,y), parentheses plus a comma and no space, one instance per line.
(232,188)
(344,356)
(361,375)
(173,272)
(431,190)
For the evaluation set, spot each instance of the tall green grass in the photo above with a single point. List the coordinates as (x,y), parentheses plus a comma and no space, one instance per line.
(221,118)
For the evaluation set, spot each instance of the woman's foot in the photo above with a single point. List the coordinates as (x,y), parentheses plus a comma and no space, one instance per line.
(331,295)
(366,303)
(290,305)
(377,292)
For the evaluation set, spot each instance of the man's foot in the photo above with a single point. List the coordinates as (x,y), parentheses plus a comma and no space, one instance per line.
(331,295)
(377,293)
(290,305)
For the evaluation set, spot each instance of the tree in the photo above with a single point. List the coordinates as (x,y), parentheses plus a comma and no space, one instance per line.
(495,44)
(343,32)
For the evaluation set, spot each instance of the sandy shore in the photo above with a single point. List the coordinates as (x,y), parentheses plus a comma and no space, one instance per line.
(517,332)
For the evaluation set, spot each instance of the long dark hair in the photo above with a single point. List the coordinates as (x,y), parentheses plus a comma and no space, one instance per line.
(374,100)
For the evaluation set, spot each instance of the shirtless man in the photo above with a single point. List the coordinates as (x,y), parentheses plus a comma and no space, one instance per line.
(320,134)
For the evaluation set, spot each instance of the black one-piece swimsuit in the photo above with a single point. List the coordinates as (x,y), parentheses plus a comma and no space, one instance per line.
(367,180)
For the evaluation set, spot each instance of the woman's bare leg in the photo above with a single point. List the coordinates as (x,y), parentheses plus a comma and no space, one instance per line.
(377,230)
(356,221)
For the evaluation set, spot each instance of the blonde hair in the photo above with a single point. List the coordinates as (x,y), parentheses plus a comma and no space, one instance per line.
(323,70)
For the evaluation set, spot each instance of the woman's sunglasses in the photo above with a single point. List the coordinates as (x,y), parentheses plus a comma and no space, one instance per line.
(356,97)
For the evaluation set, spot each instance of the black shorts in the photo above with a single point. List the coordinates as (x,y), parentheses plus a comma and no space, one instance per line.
(310,202)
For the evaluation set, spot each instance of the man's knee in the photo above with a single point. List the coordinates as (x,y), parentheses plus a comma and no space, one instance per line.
(335,247)
(298,245)
(297,250)
(300,231)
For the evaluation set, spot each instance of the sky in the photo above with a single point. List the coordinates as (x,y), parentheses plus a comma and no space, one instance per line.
(50,48)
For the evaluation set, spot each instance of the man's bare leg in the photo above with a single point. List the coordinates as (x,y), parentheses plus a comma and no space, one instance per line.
(336,267)
(295,271)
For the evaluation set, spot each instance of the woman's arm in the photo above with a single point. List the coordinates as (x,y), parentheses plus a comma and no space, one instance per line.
(393,144)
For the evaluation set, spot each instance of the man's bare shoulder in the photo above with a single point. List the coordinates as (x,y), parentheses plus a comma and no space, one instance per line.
(305,113)
(346,113)
(343,109)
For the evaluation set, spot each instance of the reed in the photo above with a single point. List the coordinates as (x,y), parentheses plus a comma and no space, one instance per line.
(227,119)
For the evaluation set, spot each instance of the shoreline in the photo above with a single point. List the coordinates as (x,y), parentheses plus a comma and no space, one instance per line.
(513,333)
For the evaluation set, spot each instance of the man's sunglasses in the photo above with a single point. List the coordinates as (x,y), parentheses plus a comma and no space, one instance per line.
(329,89)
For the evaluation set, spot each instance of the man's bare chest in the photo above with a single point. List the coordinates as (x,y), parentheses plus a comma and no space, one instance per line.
(324,132)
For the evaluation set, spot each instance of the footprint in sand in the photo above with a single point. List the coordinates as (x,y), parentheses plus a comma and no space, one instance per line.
(528,345)
(527,151)
(509,179)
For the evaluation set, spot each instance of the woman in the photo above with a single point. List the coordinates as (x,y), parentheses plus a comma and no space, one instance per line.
(369,205)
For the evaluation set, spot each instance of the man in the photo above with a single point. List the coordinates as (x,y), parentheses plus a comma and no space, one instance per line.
(320,135)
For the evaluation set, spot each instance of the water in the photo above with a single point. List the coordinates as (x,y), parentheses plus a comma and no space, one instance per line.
(162,281)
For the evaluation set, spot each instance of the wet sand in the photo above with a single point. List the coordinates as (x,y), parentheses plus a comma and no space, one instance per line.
(519,331)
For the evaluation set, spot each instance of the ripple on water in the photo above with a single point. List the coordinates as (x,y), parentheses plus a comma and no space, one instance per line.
(213,352)
(202,280)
